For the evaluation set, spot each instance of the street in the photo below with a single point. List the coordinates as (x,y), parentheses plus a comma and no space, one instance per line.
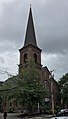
(14,116)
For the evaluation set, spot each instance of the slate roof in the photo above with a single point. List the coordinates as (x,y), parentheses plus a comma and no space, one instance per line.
(30,37)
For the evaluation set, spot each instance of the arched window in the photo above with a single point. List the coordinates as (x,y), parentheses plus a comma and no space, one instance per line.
(35,57)
(46,85)
(25,57)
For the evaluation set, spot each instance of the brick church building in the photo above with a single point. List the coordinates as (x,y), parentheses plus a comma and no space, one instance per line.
(31,49)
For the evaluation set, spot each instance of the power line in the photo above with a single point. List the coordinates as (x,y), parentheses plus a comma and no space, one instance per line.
(5,72)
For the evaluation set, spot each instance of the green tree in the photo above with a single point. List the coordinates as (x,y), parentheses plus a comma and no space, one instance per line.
(34,91)
(27,87)
(63,84)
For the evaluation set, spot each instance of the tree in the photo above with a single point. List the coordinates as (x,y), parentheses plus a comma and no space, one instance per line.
(34,91)
(63,84)
(27,87)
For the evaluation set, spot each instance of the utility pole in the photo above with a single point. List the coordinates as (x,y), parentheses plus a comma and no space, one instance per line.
(52,92)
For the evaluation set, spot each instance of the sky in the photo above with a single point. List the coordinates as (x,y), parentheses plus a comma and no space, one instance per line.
(51,27)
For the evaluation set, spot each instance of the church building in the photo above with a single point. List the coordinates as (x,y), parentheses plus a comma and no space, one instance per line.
(31,49)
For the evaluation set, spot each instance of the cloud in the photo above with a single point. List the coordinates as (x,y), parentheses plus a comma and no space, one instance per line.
(8,64)
(1,60)
(51,23)
(56,62)
(51,27)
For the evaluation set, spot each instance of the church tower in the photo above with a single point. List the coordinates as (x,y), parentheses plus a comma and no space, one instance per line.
(30,48)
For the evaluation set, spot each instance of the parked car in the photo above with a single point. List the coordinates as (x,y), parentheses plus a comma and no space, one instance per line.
(62,114)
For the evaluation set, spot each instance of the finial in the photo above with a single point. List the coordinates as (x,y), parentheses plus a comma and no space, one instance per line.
(30,5)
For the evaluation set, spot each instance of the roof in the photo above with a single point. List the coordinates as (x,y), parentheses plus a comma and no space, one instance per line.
(30,37)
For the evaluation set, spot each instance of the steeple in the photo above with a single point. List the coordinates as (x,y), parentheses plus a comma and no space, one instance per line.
(30,37)
(30,48)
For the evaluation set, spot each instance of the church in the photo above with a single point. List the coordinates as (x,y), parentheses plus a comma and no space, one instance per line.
(31,49)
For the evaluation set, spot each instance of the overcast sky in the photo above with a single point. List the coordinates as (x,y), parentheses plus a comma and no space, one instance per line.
(51,27)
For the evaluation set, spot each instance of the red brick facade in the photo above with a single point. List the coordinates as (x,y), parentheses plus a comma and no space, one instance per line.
(31,50)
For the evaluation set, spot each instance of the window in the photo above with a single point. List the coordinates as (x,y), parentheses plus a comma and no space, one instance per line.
(25,57)
(46,85)
(35,57)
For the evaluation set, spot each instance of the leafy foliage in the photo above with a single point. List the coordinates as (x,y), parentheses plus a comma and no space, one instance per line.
(63,84)
(26,88)
(33,92)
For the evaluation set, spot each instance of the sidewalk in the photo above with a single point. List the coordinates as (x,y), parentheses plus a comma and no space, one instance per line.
(42,116)
(14,116)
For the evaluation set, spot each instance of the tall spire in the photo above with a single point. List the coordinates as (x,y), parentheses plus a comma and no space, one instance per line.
(30,37)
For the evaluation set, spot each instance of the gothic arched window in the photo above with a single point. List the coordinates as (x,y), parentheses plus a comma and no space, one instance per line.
(46,85)
(35,57)
(25,57)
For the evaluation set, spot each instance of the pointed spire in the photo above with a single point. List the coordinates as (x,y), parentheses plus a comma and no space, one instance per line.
(30,37)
